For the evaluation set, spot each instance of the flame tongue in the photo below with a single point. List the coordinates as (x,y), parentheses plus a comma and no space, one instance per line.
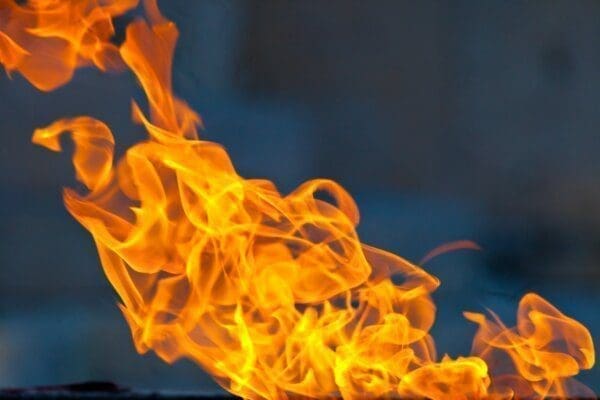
(273,295)
(545,348)
(46,40)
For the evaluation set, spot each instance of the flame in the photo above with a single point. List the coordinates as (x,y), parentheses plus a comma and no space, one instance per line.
(46,40)
(272,294)
(544,350)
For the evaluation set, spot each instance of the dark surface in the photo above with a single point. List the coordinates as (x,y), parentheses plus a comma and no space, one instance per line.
(105,390)
(97,390)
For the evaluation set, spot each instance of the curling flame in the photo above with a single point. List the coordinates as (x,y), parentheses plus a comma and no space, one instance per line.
(544,349)
(273,294)
(46,40)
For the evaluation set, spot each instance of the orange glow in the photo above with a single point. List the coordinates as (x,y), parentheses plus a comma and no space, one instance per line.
(274,295)
(46,40)
(544,350)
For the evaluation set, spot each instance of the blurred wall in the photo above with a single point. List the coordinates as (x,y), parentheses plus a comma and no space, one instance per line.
(491,101)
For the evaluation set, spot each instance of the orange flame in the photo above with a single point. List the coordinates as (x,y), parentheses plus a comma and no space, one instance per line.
(274,295)
(544,349)
(46,40)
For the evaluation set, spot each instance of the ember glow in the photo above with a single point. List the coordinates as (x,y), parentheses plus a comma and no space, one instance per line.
(274,295)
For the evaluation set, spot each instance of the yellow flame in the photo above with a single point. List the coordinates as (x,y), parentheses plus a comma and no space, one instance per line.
(273,294)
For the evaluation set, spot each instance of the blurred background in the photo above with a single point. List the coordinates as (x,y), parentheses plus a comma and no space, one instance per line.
(446,120)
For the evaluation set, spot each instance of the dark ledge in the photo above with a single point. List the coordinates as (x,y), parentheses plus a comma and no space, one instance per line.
(98,391)
(106,390)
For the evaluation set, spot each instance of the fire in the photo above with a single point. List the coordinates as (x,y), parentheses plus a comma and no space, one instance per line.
(274,295)
(46,40)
